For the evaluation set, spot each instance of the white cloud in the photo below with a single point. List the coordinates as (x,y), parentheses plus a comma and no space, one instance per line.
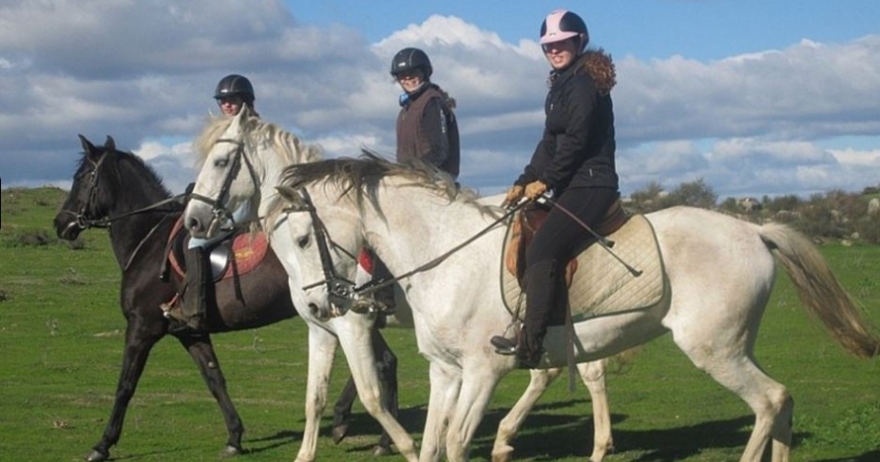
(145,71)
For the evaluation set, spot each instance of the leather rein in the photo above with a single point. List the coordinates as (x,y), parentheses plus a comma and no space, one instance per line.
(341,289)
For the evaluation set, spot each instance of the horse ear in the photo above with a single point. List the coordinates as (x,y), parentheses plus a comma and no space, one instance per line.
(290,195)
(110,144)
(238,118)
(86,144)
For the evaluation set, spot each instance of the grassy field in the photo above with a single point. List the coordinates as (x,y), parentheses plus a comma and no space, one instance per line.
(61,347)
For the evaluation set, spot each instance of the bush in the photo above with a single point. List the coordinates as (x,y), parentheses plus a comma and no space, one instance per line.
(32,238)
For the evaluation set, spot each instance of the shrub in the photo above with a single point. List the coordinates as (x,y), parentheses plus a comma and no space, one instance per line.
(32,238)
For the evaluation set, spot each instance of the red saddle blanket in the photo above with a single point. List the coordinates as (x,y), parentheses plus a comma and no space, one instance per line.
(246,252)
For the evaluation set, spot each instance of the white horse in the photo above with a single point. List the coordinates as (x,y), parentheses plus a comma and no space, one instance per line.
(719,273)
(243,161)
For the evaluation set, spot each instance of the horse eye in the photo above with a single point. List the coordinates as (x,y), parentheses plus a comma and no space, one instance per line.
(221,163)
(302,242)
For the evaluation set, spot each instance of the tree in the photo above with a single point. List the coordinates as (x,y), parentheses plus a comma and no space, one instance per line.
(695,194)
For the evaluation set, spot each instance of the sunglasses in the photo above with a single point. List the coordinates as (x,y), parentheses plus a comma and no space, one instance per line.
(236,100)
(411,75)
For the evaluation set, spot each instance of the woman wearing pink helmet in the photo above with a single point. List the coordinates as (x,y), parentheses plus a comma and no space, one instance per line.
(574,161)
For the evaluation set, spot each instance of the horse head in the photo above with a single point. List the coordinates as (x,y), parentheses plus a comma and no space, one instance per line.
(243,157)
(89,200)
(326,260)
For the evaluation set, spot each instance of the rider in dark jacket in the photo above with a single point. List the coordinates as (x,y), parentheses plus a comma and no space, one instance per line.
(426,126)
(575,162)
(188,311)
(427,131)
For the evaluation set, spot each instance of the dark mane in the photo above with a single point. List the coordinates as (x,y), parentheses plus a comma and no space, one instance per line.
(127,172)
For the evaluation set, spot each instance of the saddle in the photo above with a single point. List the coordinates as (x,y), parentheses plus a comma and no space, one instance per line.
(531,217)
(597,282)
(237,255)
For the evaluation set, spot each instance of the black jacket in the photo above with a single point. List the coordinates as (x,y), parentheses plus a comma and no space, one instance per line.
(577,149)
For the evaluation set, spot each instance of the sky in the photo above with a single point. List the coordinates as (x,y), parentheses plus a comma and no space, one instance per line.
(752,97)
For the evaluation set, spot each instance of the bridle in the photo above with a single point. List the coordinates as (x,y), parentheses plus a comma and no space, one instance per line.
(222,216)
(83,222)
(339,289)
(82,219)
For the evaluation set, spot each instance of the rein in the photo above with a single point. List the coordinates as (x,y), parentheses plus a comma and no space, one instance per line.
(340,288)
(371,286)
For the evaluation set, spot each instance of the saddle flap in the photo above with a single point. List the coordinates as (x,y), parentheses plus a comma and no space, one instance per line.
(238,254)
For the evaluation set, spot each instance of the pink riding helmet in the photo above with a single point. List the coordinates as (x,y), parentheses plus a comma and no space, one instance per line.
(561,25)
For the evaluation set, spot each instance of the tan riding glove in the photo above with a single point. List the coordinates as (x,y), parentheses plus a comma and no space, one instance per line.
(535,189)
(514,194)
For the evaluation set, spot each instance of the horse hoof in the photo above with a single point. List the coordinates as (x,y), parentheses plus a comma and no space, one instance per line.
(380,451)
(503,455)
(231,451)
(339,433)
(96,456)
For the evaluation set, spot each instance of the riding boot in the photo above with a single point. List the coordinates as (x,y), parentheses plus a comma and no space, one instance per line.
(541,286)
(198,280)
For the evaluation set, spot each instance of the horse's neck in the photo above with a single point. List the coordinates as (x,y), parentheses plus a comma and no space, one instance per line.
(270,165)
(415,227)
(127,234)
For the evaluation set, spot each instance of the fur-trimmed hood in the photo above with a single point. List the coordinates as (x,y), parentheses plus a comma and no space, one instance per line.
(601,68)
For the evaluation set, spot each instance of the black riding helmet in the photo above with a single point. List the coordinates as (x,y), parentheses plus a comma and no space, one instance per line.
(235,85)
(409,59)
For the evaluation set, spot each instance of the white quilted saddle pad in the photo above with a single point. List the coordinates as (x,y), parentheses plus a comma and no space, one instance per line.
(601,283)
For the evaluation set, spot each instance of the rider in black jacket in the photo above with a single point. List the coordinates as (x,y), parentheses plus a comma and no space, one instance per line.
(575,162)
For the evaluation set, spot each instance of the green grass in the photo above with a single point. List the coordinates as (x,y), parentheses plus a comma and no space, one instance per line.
(61,346)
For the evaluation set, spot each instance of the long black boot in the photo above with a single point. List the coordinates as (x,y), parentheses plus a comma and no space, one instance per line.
(541,286)
(193,309)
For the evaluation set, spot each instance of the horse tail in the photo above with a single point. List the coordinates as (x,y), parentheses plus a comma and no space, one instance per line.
(819,290)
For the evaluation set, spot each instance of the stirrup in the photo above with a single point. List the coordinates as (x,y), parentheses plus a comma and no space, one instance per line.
(503,345)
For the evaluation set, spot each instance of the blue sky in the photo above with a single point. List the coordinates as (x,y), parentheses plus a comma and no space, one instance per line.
(754,97)
(699,29)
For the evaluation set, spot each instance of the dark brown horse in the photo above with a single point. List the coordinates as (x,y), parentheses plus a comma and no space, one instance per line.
(117,188)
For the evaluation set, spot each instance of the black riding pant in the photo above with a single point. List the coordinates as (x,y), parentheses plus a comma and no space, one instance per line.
(553,245)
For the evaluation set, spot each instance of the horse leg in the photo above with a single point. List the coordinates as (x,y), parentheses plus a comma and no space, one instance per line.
(593,375)
(356,343)
(768,399)
(478,383)
(445,386)
(138,345)
(201,350)
(387,367)
(342,411)
(322,349)
(509,426)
